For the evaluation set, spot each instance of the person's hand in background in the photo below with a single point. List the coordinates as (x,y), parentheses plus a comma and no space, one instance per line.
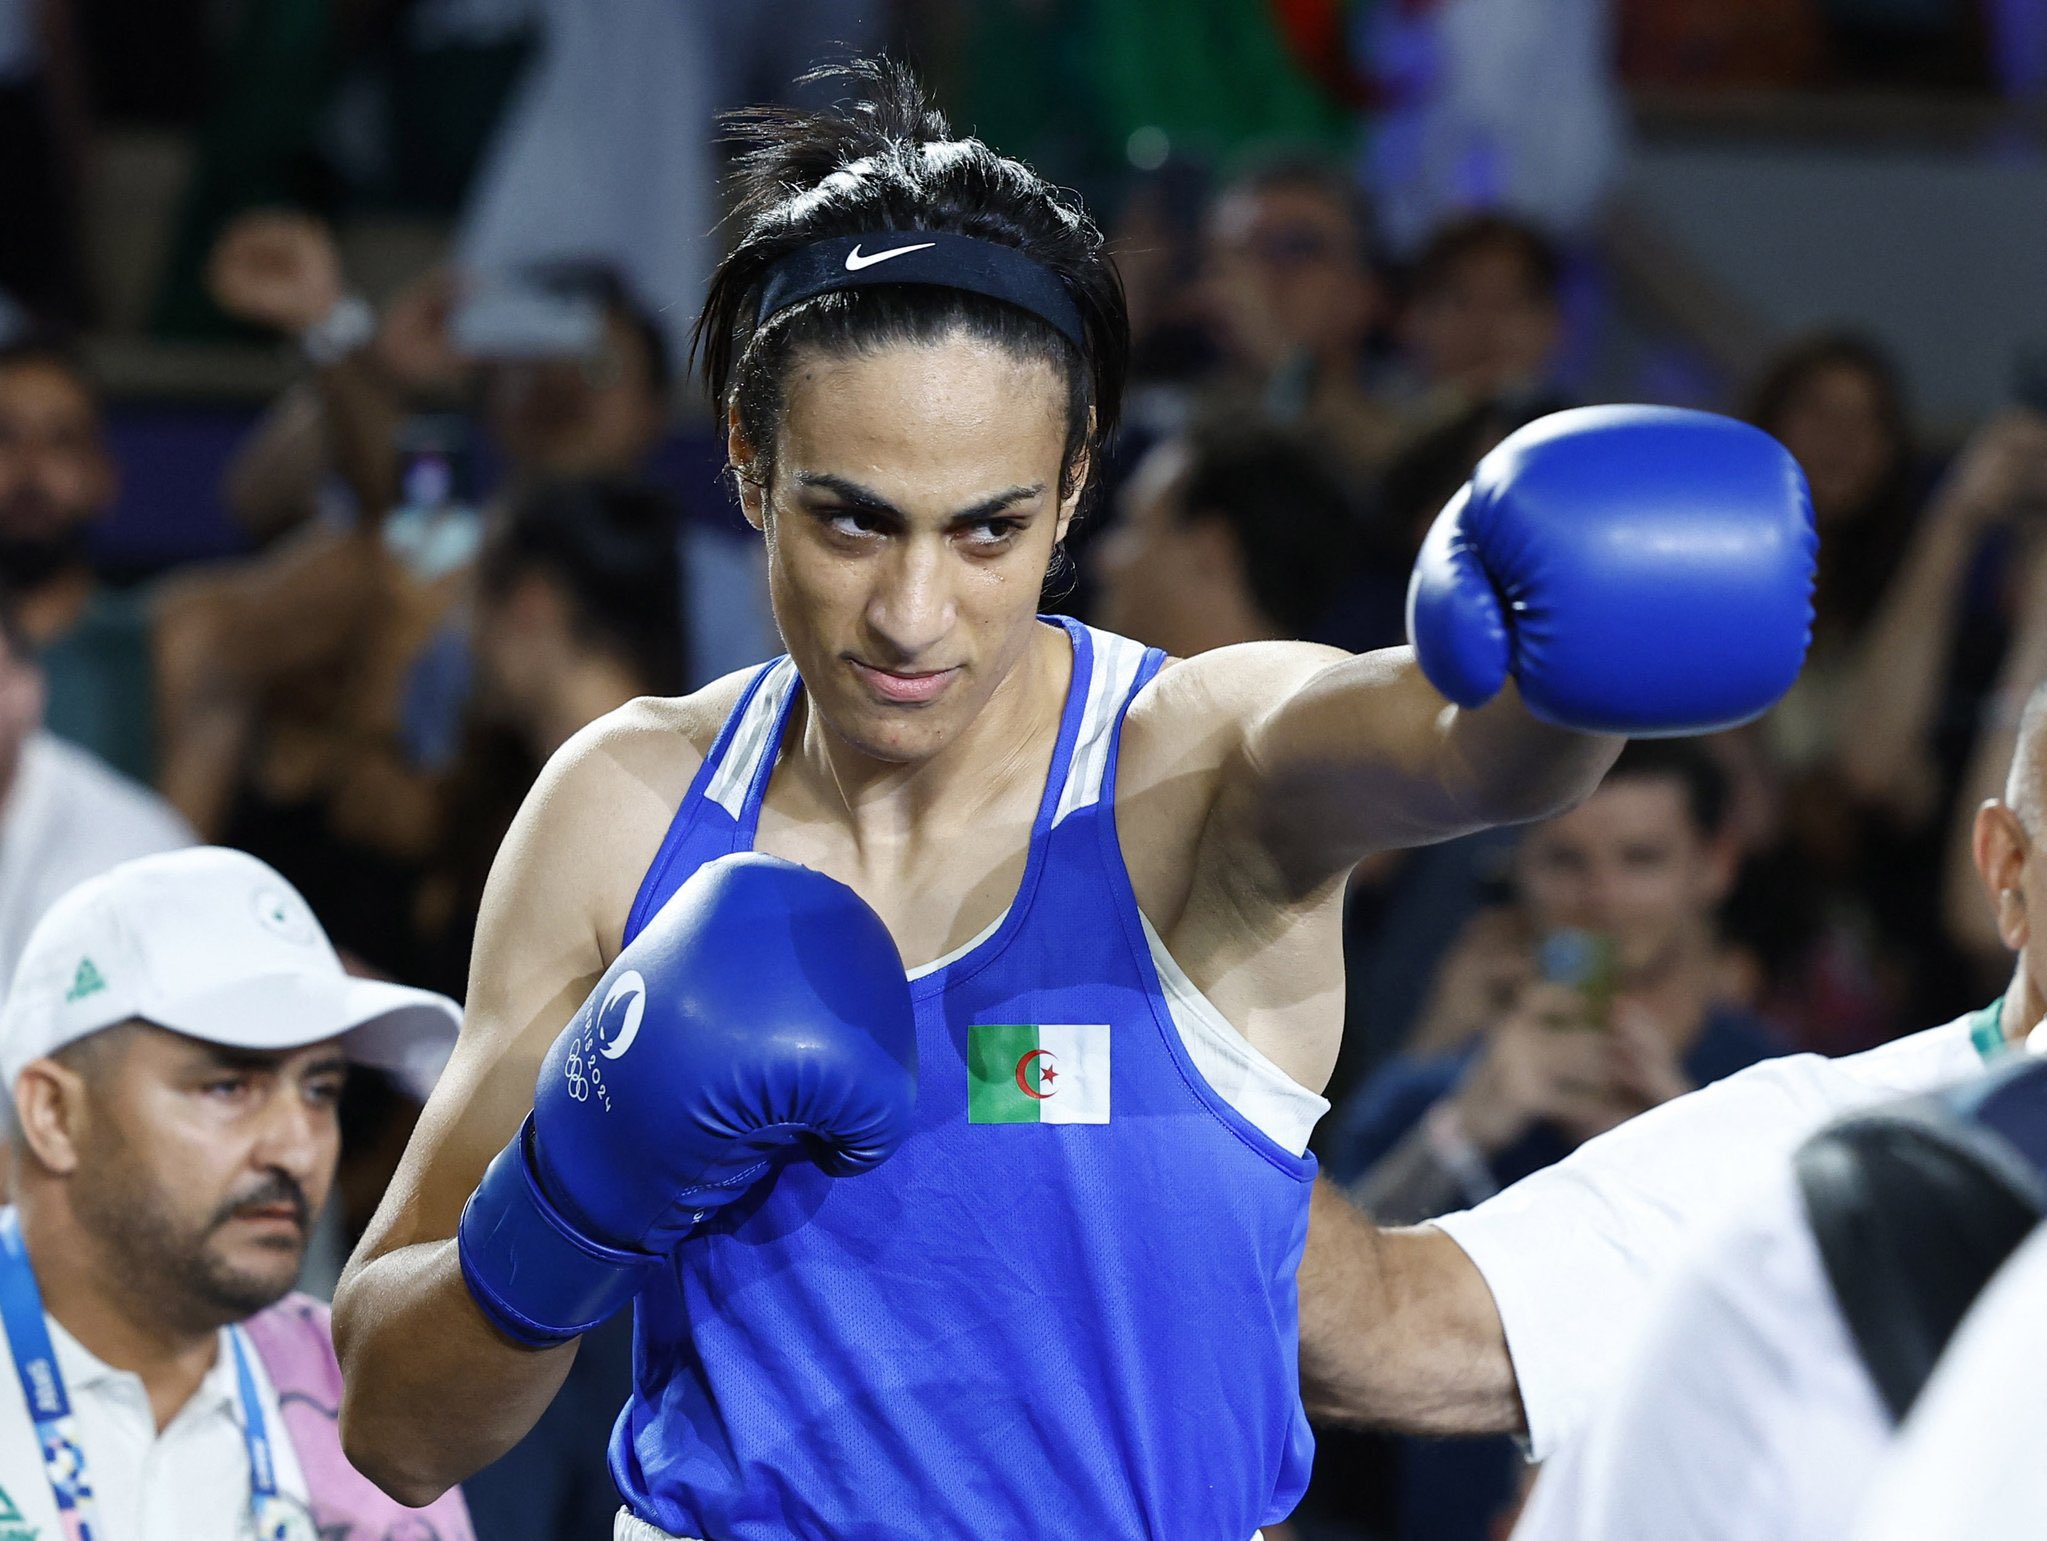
(1545,1063)
(2000,473)
(413,345)
(1647,1069)
(276,268)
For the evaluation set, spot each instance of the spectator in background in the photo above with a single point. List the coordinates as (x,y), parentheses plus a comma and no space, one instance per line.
(1642,867)
(173,1050)
(1484,318)
(1225,535)
(576,614)
(1841,911)
(1615,902)
(347,789)
(1807,909)
(1835,401)
(56,482)
(569,372)
(64,816)
(1293,302)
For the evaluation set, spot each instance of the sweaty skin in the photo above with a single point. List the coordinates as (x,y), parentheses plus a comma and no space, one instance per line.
(912,509)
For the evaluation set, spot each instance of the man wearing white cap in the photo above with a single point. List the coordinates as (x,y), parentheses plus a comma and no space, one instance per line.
(174,1044)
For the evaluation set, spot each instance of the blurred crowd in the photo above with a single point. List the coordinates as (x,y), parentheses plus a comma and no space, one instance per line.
(486,511)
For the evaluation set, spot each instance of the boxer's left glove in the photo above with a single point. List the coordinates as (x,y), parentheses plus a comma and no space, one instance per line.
(1637,570)
(762,1016)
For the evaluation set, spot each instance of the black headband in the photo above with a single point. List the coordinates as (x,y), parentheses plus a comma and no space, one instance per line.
(921,257)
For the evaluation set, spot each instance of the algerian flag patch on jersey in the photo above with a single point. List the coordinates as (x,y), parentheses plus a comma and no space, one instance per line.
(1052,1073)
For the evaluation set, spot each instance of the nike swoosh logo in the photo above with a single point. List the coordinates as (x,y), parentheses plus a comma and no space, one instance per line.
(855,262)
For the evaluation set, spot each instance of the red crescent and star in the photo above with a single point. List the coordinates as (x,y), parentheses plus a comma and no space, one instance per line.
(1046,1075)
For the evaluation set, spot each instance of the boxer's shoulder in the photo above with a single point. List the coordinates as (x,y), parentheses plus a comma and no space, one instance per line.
(1199,710)
(602,806)
(648,750)
(1188,731)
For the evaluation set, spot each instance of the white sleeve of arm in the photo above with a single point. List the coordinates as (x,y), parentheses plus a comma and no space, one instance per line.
(1571,1253)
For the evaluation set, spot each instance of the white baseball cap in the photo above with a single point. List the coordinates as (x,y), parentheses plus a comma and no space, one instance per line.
(216,945)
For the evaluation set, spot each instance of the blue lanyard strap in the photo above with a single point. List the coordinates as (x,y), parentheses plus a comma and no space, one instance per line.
(262,1468)
(42,1385)
(42,1388)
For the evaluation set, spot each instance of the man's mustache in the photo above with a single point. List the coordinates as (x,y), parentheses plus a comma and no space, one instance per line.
(275,1189)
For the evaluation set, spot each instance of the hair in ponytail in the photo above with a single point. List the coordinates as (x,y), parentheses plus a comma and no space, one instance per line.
(887,161)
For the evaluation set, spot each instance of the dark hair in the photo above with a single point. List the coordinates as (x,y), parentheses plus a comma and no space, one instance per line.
(1476,234)
(1299,169)
(887,161)
(611,289)
(611,547)
(1795,365)
(1295,525)
(1692,765)
(1436,462)
(1858,560)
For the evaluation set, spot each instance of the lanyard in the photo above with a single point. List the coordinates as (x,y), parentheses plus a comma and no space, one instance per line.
(42,1387)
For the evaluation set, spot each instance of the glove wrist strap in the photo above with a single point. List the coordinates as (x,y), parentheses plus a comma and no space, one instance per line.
(538,1279)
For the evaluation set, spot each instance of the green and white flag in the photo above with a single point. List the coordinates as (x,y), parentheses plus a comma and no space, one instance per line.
(1051,1073)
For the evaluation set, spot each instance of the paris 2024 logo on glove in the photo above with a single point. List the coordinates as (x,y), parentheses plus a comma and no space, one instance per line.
(607,1033)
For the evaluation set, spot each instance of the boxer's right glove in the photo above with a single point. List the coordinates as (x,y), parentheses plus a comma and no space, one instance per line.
(762,1016)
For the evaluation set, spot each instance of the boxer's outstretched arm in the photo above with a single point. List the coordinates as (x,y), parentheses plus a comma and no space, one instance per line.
(1398,1329)
(432,1392)
(1609,571)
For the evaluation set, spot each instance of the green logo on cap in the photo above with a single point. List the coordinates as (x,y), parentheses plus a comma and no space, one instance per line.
(86,981)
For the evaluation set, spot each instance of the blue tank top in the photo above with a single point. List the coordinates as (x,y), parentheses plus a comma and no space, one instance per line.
(1009,1329)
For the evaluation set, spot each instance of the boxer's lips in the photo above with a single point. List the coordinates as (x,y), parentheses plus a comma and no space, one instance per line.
(903,687)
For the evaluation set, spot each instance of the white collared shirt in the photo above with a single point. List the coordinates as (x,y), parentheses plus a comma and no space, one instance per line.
(188,1483)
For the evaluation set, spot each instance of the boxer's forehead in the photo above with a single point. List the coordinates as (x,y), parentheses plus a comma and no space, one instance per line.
(931,428)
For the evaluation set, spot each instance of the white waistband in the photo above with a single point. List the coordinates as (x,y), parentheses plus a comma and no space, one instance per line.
(630,1527)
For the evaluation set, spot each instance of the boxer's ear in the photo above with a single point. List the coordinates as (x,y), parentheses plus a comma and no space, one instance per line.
(1073,484)
(742,461)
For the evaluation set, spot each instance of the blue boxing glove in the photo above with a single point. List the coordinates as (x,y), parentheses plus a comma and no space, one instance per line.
(762,1016)
(1637,570)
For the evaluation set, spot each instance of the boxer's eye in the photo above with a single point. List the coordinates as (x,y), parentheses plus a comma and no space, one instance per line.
(985,535)
(850,521)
